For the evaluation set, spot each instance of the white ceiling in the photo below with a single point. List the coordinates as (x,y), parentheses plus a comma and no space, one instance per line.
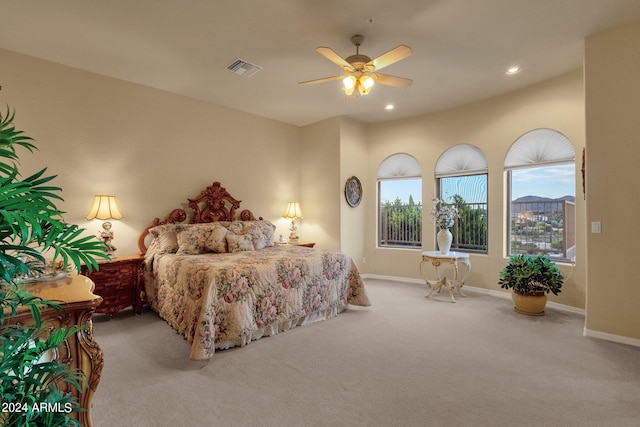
(461,48)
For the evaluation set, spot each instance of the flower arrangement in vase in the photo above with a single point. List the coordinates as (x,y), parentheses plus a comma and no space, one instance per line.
(444,215)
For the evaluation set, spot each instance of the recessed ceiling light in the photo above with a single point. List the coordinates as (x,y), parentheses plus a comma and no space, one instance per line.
(389,107)
(514,70)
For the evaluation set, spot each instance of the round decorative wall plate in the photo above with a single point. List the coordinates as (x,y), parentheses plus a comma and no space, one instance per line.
(353,191)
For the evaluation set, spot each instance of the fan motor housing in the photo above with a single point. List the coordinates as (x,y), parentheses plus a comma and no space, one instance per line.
(358,61)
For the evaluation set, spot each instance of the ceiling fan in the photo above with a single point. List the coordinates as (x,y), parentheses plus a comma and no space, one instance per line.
(361,72)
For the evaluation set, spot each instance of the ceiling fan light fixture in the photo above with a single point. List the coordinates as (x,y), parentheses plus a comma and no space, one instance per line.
(362,71)
(349,84)
(367,82)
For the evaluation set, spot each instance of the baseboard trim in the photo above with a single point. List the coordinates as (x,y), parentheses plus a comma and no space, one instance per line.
(611,337)
(393,278)
(490,292)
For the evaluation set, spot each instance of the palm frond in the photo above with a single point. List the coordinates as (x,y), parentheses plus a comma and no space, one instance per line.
(27,378)
(9,139)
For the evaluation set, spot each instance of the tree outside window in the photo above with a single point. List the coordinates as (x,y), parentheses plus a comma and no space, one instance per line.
(400,217)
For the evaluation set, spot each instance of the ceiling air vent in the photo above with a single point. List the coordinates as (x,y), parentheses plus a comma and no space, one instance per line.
(243,68)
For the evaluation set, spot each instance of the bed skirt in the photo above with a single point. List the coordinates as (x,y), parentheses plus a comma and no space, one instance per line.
(274,329)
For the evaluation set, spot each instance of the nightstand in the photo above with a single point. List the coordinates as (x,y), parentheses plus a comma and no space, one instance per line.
(119,282)
(305,244)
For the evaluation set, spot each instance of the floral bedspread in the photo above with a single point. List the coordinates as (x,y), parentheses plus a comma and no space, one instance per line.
(226,300)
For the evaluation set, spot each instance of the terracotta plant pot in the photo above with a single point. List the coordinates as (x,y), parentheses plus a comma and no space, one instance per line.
(530,304)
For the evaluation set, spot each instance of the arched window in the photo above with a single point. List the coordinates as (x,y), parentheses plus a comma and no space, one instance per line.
(400,202)
(540,167)
(461,178)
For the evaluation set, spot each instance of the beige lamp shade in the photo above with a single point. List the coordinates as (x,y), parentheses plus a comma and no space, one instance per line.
(363,84)
(104,207)
(293,210)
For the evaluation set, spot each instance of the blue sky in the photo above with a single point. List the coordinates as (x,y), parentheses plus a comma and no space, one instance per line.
(551,181)
(401,188)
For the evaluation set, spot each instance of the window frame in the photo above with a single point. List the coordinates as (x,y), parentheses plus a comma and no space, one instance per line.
(446,197)
(396,167)
(555,149)
(462,160)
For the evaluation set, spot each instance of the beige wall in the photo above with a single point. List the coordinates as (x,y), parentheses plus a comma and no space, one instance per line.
(491,125)
(613,150)
(353,162)
(320,177)
(332,151)
(150,148)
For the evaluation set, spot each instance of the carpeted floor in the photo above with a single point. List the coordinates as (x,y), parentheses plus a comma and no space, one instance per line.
(404,361)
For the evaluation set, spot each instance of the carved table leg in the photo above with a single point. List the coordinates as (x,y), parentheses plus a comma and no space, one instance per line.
(91,362)
(451,286)
(460,283)
(456,283)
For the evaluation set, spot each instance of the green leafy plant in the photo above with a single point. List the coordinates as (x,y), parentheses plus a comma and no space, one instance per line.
(30,382)
(30,226)
(470,229)
(528,274)
(402,222)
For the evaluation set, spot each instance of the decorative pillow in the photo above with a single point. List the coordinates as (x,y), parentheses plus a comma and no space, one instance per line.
(192,239)
(235,227)
(165,238)
(239,242)
(268,230)
(217,239)
(261,233)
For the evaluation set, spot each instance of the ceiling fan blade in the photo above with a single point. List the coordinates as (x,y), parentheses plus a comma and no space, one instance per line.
(394,55)
(332,56)
(385,79)
(325,79)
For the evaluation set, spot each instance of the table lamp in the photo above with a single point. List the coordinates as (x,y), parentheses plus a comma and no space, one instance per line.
(104,207)
(293,211)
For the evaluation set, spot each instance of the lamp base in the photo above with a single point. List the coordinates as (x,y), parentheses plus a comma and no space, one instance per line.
(293,237)
(106,235)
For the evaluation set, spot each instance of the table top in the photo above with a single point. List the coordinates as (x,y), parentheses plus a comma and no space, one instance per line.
(69,289)
(117,257)
(448,255)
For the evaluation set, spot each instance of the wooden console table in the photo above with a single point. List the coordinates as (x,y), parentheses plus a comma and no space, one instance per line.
(75,295)
(436,259)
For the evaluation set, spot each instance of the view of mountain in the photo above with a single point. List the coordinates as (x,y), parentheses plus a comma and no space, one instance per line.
(530,199)
(539,204)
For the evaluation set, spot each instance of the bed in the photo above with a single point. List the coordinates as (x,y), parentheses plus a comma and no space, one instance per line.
(222,281)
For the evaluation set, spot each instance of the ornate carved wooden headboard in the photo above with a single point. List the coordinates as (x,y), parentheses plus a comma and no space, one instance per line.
(214,203)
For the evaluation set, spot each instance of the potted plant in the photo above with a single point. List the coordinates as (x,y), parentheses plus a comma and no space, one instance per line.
(30,225)
(531,278)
